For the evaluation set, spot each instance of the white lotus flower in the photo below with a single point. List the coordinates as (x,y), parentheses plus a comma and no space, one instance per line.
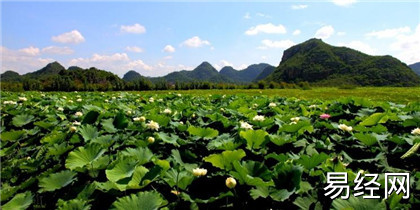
(78,114)
(136,119)
(10,102)
(70,101)
(167,111)
(259,118)
(76,123)
(151,100)
(199,172)
(60,109)
(312,106)
(129,112)
(416,131)
(64,97)
(272,104)
(179,95)
(246,126)
(106,101)
(23,99)
(345,127)
(79,100)
(295,119)
(152,125)
(113,98)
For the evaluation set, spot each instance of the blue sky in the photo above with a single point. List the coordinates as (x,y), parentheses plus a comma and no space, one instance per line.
(155,38)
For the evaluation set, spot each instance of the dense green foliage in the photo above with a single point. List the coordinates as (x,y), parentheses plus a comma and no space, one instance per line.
(317,62)
(94,150)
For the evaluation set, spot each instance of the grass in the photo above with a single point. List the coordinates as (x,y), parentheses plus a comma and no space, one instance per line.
(393,94)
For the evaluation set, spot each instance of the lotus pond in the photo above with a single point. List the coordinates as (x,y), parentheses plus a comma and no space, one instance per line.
(135,150)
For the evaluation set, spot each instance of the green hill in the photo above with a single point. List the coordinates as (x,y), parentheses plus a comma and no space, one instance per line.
(265,73)
(205,72)
(317,62)
(131,76)
(10,76)
(51,69)
(415,67)
(243,76)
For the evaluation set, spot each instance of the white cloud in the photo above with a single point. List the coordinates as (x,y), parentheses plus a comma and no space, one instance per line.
(389,33)
(268,28)
(73,37)
(118,63)
(195,42)
(134,29)
(276,44)
(407,46)
(168,57)
(247,16)
(299,6)
(31,51)
(224,63)
(263,15)
(169,49)
(134,49)
(343,3)
(341,33)
(21,61)
(57,50)
(296,32)
(324,32)
(360,46)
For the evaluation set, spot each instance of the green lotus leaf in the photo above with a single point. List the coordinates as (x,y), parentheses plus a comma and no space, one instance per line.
(122,169)
(84,156)
(254,138)
(205,133)
(225,159)
(22,119)
(12,135)
(141,154)
(56,181)
(148,200)
(88,132)
(19,202)
(108,125)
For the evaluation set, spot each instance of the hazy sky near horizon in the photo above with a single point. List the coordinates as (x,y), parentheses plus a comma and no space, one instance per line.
(155,38)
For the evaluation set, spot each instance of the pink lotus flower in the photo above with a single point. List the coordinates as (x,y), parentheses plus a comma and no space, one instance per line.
(324,116)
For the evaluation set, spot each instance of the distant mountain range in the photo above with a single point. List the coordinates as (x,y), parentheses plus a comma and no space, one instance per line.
(317,62)
(205,72)
(415,67)
(312,61)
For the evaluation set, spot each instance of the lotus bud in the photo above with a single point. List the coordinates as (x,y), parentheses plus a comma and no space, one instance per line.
(230,182)
(150,140)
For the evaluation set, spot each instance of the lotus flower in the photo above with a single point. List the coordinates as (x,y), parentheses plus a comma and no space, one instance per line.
(199,172)
(416,131)
(324,116)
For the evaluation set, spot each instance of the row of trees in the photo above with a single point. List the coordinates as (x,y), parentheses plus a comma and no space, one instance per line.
(66,84)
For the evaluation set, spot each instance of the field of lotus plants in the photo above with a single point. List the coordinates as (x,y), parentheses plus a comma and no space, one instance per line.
(140,150)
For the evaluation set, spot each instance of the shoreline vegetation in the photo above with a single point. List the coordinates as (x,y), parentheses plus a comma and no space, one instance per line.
(380,94)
